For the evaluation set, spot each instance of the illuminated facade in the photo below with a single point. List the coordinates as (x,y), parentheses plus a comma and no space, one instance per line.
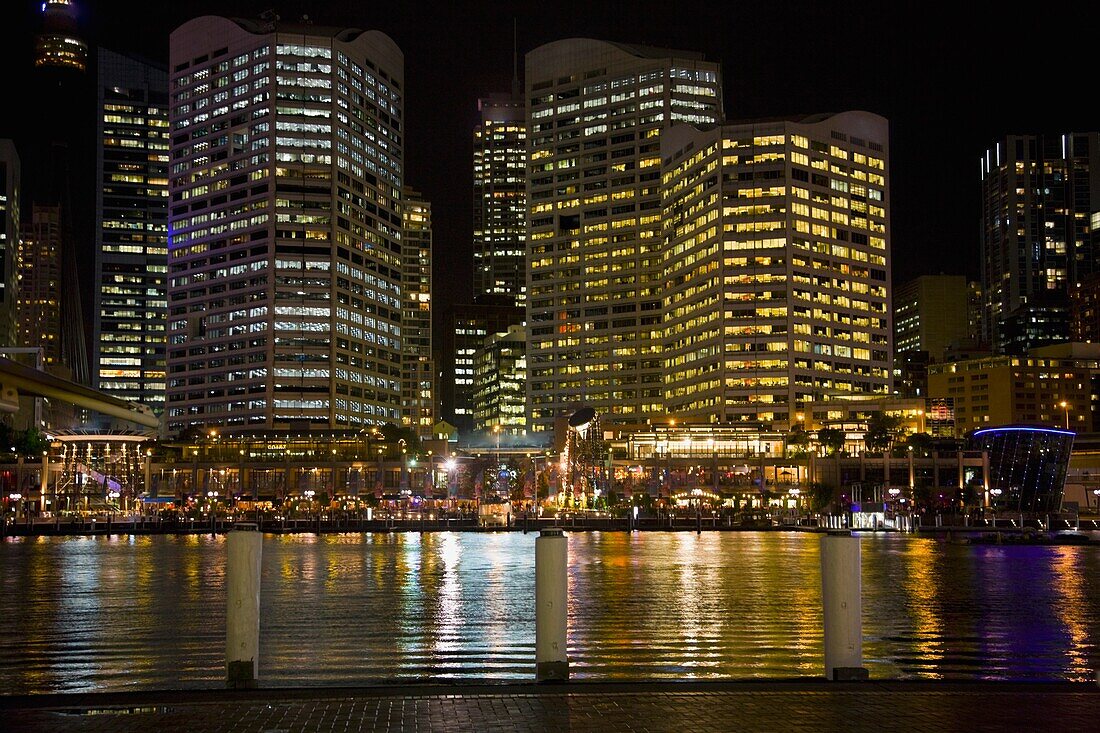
(285,258)
(418,386)
(131,263)
(595,116)
(9,242)
(59,43)
(1052,386)
(500,198)
(1027,466)
(775,269)
(1038,211)
(930,314)
(500,382)
(465,328)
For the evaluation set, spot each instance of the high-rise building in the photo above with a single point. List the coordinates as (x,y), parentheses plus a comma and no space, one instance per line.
(465,328)
(1037,200)
(595,116)
(1085,310)
(39,264)
(9,243)
(775,266)
(500,382)
(418,388)
(285,225)
(131,256)
(500,198)
(930,314)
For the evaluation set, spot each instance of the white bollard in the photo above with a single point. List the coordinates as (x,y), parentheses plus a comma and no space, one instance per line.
(841,601)
(242,613)
(551,606)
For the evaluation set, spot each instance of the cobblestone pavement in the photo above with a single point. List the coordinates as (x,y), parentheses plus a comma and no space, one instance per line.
(698,708)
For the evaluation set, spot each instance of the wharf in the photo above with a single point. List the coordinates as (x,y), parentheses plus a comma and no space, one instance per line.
(579,706)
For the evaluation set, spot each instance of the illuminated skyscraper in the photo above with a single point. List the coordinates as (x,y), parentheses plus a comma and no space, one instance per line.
(9,242)
(500,199)
(1039,216)
(500,382)
(39,264)
(595,117)
(775,267)
(418,391)
(285,257)
(131,266)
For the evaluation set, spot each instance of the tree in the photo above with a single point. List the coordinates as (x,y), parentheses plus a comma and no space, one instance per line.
(881,431)
(798,442)
(820,495)
(832,439)
(921,443)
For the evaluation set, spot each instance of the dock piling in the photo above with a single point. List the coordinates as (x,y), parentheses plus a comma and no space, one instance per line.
(842,605)
(551,606)
(242,614)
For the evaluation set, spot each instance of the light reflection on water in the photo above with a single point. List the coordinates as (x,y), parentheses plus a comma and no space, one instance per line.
(148,612)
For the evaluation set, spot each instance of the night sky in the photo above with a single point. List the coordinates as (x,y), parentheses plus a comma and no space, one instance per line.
(949,78)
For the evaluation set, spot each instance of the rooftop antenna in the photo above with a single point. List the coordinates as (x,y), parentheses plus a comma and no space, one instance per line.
(515,58)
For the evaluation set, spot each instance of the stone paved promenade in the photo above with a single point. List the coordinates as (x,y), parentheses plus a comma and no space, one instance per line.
(599,707)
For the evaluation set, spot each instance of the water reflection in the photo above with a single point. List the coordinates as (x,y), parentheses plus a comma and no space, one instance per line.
(148,612)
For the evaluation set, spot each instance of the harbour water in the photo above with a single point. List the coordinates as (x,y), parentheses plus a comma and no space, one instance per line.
(127,613)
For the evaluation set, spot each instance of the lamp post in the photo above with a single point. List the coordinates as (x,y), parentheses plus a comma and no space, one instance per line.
(496,468)
(920,415)
(1065,406)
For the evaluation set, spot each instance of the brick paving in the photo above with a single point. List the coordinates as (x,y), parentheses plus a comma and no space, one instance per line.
(596,707)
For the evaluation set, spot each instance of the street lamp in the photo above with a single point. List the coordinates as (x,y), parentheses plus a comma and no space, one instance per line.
(1065,406)
(920,414)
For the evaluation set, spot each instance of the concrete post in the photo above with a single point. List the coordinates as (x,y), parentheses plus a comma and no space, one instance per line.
(551,606)
(841,600)
(242,614)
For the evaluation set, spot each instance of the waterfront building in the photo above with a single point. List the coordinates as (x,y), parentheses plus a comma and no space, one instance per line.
(285,256)
(39,265)
(852,413)
(500,382)
(596,112)
(1052,386)
(500,198)
(131,253)
(1027,467)
(465,329)
(1038,201)
(775,267)
(418,386)
(9,242)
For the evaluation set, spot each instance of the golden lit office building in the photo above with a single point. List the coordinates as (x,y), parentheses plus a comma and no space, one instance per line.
(9,242)
(775,267)
(500,382)
(285,256)
(595,116)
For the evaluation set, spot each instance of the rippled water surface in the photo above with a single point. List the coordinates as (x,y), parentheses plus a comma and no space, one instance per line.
(148,612)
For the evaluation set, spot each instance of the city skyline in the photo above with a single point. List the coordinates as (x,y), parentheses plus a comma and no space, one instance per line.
(943,97)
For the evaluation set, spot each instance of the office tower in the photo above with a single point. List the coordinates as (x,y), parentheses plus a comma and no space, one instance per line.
(500,382)
(131,254)
(59,44)
(9,243)
(1037,199)
(776,266)
(39,263)
(500,198)
(418,388)
(930,313)
(595,117)
(285,225)
(464,331)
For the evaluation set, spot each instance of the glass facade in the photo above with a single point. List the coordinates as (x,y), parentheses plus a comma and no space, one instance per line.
(1027,466)
(131,297)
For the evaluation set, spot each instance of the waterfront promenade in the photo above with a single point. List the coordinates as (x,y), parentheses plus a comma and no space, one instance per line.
(517,708)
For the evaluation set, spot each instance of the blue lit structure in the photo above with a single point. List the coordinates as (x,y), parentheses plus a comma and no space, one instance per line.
(1027,466)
